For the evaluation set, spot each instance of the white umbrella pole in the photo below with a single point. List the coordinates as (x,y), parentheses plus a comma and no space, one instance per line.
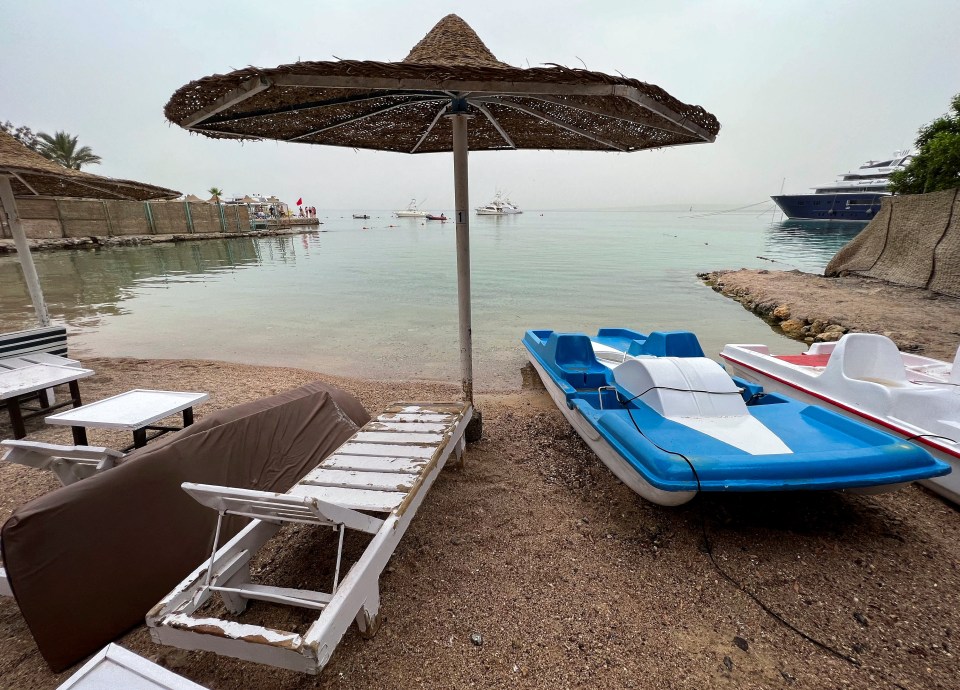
(23,251)
(459,122)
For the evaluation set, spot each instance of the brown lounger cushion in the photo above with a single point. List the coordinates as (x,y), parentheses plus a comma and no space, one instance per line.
(87,561)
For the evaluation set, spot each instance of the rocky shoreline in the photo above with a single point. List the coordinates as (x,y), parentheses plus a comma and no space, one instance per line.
(8,247)
(814,308)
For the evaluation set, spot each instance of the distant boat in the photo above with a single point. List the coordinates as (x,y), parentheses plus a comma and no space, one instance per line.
(855,197)
(361,216)
(499,207)
(411,211)
(430,216)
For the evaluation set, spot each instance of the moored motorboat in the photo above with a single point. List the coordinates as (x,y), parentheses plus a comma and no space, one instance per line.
(431,216)
(499,207)
(411,211)
(669,422)
(866,377)
(361,216)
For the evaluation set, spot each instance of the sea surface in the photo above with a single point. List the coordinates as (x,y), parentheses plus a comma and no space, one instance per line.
(377,298)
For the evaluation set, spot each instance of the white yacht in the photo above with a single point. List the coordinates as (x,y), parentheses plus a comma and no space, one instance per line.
(411,211)
(855,197)
(499,207)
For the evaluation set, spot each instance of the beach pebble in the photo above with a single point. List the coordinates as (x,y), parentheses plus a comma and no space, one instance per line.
(741,643)
(829,336)
(728,663)
(792,327)
(477,639)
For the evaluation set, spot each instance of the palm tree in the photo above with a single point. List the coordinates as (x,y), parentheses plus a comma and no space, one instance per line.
(216,193)
(62,148)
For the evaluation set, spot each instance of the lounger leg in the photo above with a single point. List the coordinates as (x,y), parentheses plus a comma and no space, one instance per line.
(235,603)
(458,452)
(368,617)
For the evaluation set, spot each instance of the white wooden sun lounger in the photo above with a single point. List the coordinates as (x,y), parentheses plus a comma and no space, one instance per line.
(386,468)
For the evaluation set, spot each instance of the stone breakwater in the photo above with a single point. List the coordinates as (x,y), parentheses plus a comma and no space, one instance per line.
(813,308)
(817,328)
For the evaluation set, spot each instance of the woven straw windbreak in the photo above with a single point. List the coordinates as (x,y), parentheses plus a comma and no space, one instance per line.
(532,106)
(913,241)
(43,177)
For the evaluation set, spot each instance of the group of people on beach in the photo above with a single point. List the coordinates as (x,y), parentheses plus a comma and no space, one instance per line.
(308,212)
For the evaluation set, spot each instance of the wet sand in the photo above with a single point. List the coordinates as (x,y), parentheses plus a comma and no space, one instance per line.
(568,577)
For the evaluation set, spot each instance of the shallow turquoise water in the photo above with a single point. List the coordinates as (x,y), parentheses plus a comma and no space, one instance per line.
(381,302)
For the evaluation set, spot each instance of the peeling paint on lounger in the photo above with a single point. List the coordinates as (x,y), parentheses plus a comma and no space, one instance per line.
(236,631)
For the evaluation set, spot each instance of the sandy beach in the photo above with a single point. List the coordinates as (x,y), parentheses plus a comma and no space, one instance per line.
(569,578)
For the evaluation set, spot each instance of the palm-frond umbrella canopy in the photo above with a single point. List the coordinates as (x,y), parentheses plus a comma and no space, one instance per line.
(31,174)
(193,197)
(422,105)
(24,172)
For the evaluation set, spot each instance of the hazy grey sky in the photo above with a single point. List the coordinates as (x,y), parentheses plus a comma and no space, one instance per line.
(803,91)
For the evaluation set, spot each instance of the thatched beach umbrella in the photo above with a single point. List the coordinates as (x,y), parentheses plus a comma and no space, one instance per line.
(26,173)
(422,105)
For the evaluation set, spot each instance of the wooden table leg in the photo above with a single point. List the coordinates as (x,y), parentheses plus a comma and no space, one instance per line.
(79,435)
(139,438)
(16,417)
(187,417)
(75,393)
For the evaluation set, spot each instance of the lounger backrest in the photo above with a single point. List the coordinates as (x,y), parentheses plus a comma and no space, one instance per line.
(69,463)
(681,386)
(869,357)
(276,507)
(52,339)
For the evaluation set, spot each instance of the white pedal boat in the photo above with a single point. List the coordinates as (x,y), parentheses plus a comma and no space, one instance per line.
(866,377)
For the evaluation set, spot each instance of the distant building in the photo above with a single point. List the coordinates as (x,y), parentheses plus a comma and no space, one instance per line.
(259,204)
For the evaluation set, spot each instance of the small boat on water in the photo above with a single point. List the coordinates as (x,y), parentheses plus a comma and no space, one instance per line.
(865,377)
(499,207)
(431,216)
(361,216)
(411,211)
(668,422)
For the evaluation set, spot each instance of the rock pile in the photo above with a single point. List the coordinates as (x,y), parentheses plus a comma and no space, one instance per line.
(811,328)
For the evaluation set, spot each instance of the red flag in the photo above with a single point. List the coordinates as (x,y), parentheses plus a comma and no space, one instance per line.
(299,201)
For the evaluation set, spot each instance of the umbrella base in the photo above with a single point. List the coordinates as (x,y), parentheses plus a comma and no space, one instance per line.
(474,431)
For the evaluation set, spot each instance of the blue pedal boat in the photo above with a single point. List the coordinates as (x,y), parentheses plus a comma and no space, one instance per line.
(669,422)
